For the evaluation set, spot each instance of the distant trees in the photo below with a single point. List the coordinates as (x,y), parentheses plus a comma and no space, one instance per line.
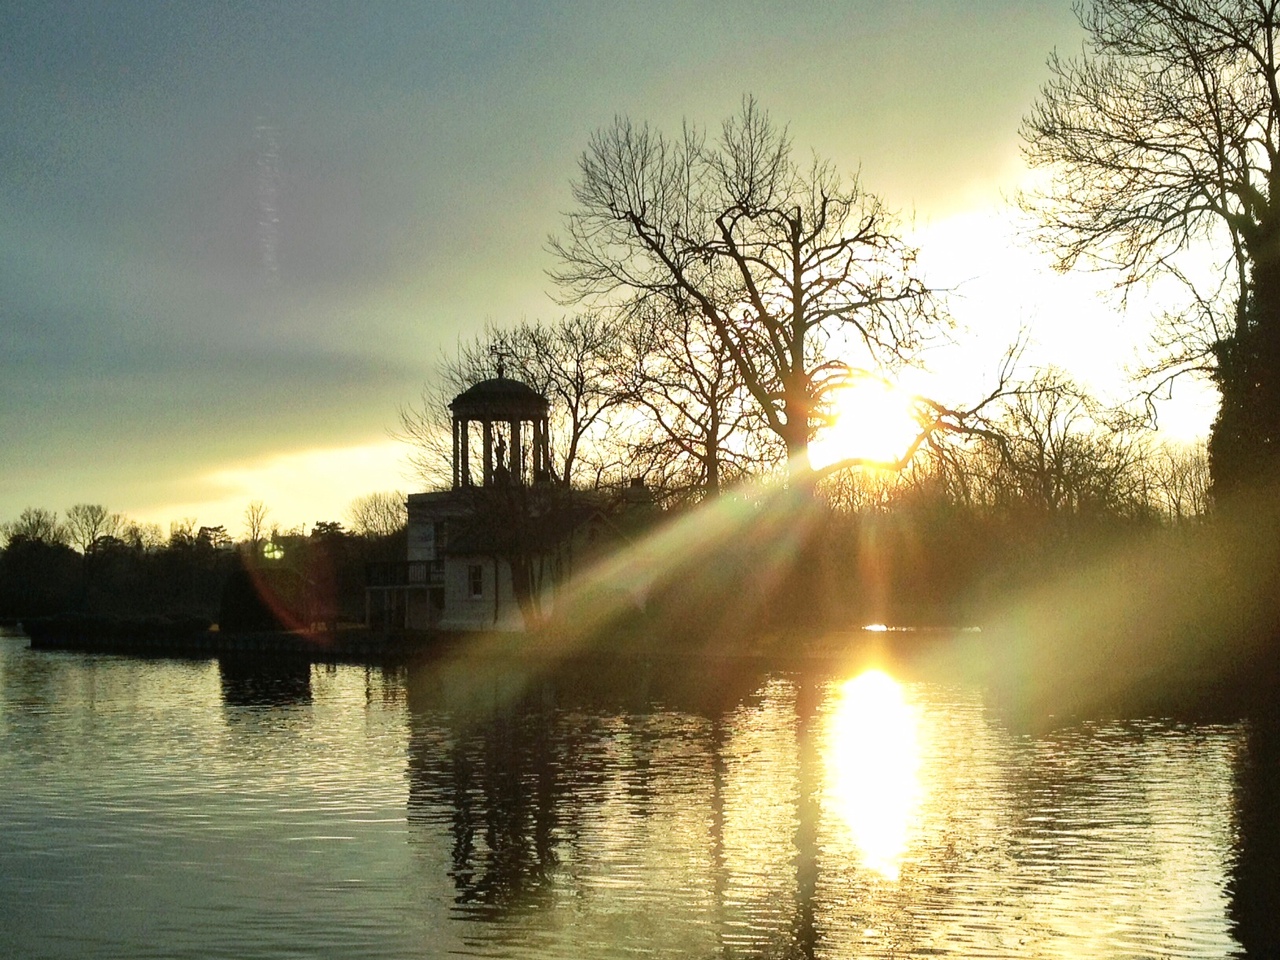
(86,522)
(1053,455)
(1164,136)
(380,514)
(36,524)
(216,537)
(142,536)
(1177,479)
(130,568)
(37,576)
(1061,456)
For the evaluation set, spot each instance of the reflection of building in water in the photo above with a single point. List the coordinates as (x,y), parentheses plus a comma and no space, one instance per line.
(491,552)
(273,681)
(735,814)
(489,765)
(598,799)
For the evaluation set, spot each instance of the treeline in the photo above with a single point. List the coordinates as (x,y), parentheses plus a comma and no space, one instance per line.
(1042,447)
(953,540)
(961,531)
(95,562)
(1052,481)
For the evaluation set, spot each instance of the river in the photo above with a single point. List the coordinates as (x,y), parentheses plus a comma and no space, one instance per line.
(257,809)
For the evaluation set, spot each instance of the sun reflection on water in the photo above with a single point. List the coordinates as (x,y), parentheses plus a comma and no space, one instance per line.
(873,768)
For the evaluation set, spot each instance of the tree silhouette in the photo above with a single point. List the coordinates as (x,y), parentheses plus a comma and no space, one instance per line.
(86,522)
(36,524)
(800,274)
(378,514)
(1163,135)
(255,516)
(696,429)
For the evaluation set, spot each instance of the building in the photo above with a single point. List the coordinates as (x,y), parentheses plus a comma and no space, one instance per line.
(491,552)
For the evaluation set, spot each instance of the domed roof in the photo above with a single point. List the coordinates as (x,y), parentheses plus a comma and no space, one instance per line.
(499,398)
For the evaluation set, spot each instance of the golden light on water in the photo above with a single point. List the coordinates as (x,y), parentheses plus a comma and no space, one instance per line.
(873,769)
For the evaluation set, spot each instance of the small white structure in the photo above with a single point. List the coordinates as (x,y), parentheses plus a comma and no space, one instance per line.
(462,542)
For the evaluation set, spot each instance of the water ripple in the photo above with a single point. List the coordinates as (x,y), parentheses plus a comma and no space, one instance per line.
(190,809)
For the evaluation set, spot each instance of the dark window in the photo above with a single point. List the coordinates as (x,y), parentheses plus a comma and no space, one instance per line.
(475,581)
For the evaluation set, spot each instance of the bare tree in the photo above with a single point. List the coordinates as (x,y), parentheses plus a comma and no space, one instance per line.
(1178,476)
(425,426)
(1064,454)
(86,522)
(800,275)
(142,536)
(255,517)
(694,415)
(861,491)
(35,523)
(574,363)
(378,514)
(1162,135)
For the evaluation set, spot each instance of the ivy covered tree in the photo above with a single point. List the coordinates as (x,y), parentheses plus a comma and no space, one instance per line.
(1163,137)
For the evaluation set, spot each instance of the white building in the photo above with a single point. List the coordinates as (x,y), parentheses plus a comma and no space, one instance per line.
(504,523)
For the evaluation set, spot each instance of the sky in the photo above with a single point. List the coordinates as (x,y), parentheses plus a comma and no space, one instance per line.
(235,237)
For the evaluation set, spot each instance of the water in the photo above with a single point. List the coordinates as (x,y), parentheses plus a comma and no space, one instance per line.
(167,808)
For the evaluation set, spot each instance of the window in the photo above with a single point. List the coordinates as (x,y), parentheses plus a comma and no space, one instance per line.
(475,581)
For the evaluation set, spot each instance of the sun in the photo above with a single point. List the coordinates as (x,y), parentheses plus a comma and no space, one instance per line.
(874,422)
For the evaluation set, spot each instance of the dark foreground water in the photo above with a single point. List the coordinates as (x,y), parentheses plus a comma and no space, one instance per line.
(162,808)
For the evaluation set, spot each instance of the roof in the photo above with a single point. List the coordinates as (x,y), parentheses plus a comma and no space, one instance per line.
(499,398)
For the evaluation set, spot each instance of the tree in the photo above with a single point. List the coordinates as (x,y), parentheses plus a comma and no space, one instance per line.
(379,514)
(1163,136)
(182,533)
(143,536)
(215,538)
(255,516)
(38,576)
(800,274)
(694,425)
(1179,481)
(1062,456)
(35,524)
(86,522)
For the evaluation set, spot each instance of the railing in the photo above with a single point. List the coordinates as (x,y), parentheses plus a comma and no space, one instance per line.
(409,573)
